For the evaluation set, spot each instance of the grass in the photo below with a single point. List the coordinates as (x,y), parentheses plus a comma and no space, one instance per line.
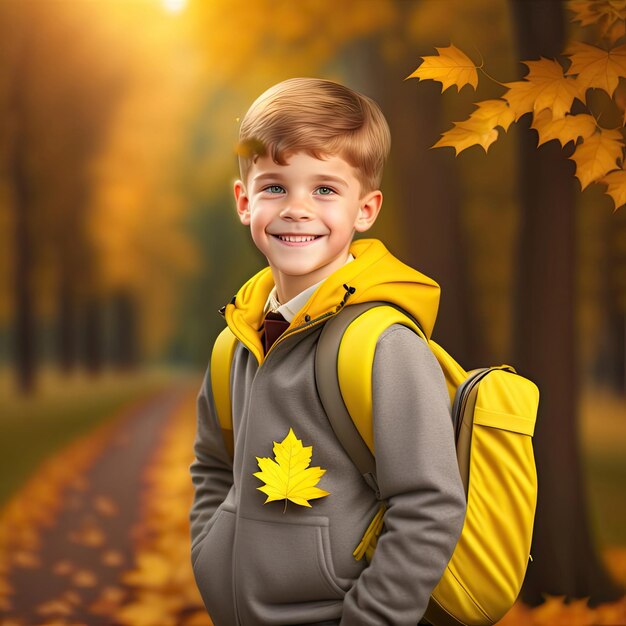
(31,428)
(603,446)
(63,408)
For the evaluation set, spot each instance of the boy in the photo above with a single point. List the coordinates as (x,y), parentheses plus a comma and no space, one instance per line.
(311,164)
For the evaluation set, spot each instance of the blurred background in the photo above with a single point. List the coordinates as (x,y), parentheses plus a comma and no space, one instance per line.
(119,242)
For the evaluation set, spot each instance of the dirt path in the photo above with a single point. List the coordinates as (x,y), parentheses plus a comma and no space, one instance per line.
(58,571)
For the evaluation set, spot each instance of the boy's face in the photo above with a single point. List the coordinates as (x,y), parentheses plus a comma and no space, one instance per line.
(317,202)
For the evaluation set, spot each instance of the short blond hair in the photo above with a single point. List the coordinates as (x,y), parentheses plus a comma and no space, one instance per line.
(320,117)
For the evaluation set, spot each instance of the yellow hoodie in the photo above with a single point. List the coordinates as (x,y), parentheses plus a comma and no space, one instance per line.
(261,563)
(375,274)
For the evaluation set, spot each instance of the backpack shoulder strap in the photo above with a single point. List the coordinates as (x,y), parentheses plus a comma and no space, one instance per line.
(221,361)
(345,383)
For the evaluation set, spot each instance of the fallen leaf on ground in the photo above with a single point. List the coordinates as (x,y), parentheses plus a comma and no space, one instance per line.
(199,618)
(63,568)
(109,601)
(112,558)
(84,578)
(26,560)
(55,607)
(88,535)
(105,506)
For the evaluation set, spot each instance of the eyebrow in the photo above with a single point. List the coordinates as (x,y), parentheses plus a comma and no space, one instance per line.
(318,177)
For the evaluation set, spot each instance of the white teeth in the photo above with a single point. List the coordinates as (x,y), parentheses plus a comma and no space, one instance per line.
(296,239)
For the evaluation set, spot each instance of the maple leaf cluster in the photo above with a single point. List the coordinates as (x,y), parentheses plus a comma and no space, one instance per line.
(548,92)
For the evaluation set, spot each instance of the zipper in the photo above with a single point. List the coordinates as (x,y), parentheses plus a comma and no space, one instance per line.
(464,389)
(293,331)
(460,399)
(297,329)
(317,320)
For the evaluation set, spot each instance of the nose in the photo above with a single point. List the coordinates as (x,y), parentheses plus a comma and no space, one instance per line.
(296,209)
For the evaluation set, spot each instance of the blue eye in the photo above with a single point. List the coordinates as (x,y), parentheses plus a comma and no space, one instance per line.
(274,188)
(328,191)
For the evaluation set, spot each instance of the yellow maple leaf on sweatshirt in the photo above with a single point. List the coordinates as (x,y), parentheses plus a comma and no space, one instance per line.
(289,477)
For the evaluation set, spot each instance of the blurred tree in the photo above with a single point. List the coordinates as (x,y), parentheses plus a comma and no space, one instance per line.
(608,363)
(17,167)
(372,44)
(124,349)
(140,199)
(545,304)
(57,115)
(617,302)
(96,121)
(565,559)
(425,184)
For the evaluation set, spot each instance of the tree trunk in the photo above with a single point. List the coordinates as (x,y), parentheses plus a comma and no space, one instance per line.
(124,348)
(565,561)
(93,333)
(423,183)
(617,300)
(67,346)
(608,366)
(426,185)
(25,324)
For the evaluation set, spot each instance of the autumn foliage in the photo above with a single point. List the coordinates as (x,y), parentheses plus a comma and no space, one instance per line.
(549,92)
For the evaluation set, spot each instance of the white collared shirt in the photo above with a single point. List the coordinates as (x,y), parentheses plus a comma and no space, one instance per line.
(291,308)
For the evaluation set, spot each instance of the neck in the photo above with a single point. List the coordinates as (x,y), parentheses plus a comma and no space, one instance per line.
(288,286)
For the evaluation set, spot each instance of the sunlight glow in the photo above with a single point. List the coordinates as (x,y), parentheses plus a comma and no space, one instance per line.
(174,6)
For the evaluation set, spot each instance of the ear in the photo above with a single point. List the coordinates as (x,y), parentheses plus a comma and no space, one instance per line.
(242,203)
(368,211)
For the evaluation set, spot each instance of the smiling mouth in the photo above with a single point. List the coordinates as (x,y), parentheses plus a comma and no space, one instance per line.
(297,238)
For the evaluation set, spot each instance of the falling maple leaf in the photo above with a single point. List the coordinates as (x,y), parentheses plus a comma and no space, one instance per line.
(496,111)
(290,477)
(545,87)
(565,129)
(591,11)
(585,11)
(467,134)
(451,67)
(597,67)
(609,15)
(616,186)
(597,155)
(479,128)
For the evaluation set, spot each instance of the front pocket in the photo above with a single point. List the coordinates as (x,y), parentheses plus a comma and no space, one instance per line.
(281,563)
(213,569)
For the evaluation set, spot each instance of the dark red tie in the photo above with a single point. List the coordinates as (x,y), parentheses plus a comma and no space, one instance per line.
(275,325)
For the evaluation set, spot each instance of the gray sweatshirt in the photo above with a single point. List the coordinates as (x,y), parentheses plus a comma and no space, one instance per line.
(261,564)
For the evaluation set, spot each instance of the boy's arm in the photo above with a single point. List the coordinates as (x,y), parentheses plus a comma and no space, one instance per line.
(418,476)
(212,468)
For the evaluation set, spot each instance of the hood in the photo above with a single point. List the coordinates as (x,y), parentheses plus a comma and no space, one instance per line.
(375,274)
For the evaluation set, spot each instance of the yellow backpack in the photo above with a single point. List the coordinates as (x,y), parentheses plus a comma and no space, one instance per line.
(493,411)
